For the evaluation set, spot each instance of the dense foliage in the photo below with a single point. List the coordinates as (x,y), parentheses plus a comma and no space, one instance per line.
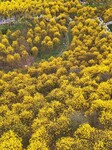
(65,102)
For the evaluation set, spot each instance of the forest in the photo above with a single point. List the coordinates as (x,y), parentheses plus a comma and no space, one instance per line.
(55,74)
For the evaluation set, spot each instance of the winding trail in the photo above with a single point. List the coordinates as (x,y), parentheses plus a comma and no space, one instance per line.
(12,20)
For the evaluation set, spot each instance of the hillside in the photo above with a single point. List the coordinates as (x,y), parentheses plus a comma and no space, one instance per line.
(55,75)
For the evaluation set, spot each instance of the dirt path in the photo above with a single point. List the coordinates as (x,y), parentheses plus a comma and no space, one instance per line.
(7,21)
(109,23)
